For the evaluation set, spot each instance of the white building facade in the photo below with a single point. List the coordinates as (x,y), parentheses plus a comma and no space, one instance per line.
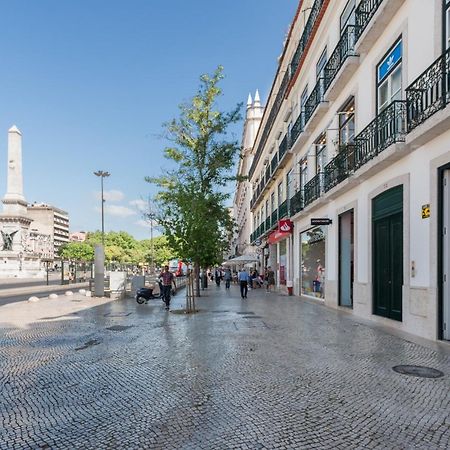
(354,151)
(241,202)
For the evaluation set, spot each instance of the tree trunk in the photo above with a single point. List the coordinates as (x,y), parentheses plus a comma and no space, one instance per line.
(197,279)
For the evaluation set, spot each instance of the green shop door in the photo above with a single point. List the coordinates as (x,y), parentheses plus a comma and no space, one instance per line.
(387,251)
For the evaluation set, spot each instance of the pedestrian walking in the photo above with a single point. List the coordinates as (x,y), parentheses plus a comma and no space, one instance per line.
(227,278)
(167,280)
(218,277)
(243,282)
(269,278)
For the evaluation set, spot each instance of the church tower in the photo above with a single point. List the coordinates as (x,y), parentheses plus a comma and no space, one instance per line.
(241,203)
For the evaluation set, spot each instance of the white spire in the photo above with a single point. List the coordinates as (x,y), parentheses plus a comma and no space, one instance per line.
(249,101)
(257,99)
(14,129)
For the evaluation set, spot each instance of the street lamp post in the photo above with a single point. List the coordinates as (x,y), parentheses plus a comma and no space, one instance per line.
(102,174)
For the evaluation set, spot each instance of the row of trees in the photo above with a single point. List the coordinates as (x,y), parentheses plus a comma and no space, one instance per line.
(191,198)
(120,247)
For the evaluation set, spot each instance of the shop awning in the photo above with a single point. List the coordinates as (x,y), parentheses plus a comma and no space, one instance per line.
(277,236)
(241,260)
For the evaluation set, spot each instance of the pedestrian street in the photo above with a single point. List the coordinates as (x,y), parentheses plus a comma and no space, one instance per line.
(267,372)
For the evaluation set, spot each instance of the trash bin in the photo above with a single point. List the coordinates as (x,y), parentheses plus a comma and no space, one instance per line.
(289,287)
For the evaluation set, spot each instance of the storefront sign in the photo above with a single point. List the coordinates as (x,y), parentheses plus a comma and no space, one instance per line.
(390,61)
(285,225)
(321,221)
(425,211)
(258,242)
(277,236)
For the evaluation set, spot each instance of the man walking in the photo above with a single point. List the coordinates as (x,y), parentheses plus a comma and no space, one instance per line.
(243,282)
(227,278)
(167,280)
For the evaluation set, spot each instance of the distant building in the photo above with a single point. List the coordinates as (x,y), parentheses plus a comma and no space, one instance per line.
(78,236)
(52,221)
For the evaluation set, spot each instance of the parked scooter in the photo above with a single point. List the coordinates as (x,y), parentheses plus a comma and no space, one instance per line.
(144,294)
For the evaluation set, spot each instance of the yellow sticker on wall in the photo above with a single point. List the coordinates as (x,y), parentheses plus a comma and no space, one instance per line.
(425,211)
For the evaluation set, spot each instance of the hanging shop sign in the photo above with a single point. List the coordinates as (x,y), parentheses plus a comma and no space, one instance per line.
(321,221)
(285,226)
(258,242)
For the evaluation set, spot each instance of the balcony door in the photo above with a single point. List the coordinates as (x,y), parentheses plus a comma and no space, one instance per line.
(346,265)
(445,249)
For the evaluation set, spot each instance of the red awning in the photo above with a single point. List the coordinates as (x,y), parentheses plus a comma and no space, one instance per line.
(277,236)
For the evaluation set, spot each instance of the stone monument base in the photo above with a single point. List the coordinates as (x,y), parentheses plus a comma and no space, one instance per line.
(13,266)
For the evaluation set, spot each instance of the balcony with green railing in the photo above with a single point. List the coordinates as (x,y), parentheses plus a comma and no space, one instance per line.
(364,13)
(340,167)
(283,210)
(315,99)
(313,189)
(296,203)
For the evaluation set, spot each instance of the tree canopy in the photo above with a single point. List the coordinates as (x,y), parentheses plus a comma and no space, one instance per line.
(191,201)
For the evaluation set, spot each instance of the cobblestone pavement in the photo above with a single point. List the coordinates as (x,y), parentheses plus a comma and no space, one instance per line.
(264,373)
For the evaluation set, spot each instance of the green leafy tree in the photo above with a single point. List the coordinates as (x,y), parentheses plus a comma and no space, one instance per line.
(78,251)
(190,200)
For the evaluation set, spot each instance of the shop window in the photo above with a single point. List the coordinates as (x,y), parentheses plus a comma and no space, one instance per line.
(313,248)
(321,153)
(347,123)
(389,77)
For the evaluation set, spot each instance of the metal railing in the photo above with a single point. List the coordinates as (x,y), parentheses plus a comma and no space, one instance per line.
(340,167)
(313,189)
(296,203)
(268,174)
(307,32)
(268,223)
(388,128)
(297,128)
(274,163)
(314,99)
(344,49)
(364,13)
(283,148)
(429,93)
(274,218)
(283,210)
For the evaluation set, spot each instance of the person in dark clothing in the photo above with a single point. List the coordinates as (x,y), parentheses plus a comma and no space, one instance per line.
(218,277)
(167,280)
(227,278)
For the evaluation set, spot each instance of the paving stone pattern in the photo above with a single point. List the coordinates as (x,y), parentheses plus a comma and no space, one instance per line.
(270,372)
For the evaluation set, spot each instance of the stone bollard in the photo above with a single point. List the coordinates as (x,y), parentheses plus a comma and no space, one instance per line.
(53,296)
(33,299)
(82,291)
(68,293)
(88,294)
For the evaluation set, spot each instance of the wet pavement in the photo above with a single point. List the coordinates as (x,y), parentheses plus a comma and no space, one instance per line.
(270,372)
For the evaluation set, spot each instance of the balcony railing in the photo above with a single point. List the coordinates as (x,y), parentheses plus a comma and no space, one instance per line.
(297,128)
(388,128)
(313,189)
(274,163)
(344,49)
(282,149)
(274,218)
(429,92)
(364,13)
(307,32)
(267,177)
(314,99)
(268,223)
(283,210)
(296,203)
(340,167)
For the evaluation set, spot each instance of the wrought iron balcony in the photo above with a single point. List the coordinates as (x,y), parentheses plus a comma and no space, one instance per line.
(283,210)
(307,32)
(268,223)
(267,176)
(296,203)
(274,163)
(429,93)
(388,128)
(364,13)
(344,49)
(274,218)
(297,128)
(283,147)
(314,99)
(313,189)
(340,167)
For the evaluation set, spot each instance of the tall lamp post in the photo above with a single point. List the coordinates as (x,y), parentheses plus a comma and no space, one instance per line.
(102,174)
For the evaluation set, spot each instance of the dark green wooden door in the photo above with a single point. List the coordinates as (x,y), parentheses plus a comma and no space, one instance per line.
(388,254)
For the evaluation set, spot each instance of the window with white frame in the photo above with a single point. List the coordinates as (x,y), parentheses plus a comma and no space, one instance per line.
(321,152)
(389,77)
(289,187)
(347,123)
(280,193)
(321,63)
(272,201)
(303,166)
(267,209)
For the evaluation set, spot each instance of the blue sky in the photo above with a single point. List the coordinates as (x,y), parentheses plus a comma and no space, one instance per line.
(90,82)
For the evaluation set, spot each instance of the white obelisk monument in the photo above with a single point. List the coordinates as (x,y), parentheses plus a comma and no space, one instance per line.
(16,259)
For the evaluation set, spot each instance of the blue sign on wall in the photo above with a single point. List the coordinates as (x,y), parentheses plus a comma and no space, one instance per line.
(390,61)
